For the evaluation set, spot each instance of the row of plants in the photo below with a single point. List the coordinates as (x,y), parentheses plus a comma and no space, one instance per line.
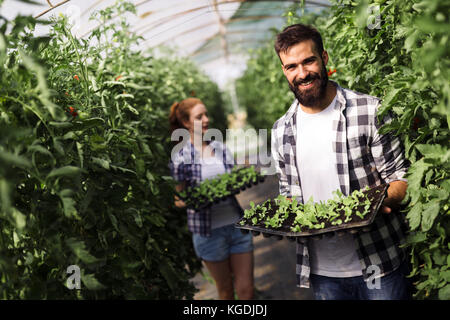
(84,153)
(286,215)
(397,51)
(211,191)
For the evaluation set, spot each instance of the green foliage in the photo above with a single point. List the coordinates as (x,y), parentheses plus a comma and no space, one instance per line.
(179,78)
(261,90)
(307,215)
(220,187)
(84,148)
(405,61)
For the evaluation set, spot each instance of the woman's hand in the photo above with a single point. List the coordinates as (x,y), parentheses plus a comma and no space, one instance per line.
(179,203)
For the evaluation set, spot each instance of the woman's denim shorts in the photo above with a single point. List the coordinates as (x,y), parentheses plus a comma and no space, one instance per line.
(223,242)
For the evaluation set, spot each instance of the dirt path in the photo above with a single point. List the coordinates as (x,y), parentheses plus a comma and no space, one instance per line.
(274,259)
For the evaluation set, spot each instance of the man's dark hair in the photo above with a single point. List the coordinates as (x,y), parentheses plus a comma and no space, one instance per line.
(295,34)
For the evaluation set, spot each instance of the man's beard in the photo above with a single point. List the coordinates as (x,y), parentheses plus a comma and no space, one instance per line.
(311,96)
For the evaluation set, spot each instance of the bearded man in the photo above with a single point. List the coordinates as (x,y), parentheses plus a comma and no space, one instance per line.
(329,140)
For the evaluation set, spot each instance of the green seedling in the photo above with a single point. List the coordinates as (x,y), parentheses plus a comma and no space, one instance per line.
(313,215)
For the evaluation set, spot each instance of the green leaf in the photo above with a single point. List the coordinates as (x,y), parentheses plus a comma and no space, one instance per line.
(138,220)
(41,86)
(18,218)
(133,110)
(78,247)
(114,83)
(14,160)
(444,293)
(439,194)
(169,274)
(138,87)
(80,154)
(61,125)
(438,256)
(69,203)
(124,170)
(40,149)
(415,176)
(91,282)
(67,171)
(114,221)
(58,146)
(416,237)
(414,216)
(88,123)
(101,162)
(434,151)
(124,95)
(431,210)
(5,195)
(391,96)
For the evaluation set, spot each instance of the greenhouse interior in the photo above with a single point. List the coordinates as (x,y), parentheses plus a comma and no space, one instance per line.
(224,150)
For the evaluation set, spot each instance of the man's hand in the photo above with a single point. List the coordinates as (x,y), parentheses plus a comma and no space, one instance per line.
(396,193)
(386,209)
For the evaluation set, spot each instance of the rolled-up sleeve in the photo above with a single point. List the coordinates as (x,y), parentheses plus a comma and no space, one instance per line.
(388,153)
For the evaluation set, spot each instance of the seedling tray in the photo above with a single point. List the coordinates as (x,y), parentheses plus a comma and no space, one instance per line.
(232,189)
(355,225)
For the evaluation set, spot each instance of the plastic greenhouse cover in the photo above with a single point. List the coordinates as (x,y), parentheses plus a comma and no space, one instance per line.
(216,34)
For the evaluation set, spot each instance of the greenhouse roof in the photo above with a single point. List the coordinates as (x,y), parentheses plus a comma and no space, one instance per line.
(216,34)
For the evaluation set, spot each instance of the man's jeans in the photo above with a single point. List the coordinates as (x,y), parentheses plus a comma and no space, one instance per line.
(393,286)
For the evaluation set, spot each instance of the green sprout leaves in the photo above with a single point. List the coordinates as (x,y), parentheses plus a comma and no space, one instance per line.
(222,186)
(311,215)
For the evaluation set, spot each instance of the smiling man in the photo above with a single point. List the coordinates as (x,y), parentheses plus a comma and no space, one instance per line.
(329,139)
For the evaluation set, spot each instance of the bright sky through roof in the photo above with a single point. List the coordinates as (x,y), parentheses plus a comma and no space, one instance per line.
(179,24)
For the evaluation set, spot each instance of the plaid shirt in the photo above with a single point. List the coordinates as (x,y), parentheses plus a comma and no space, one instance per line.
(364,157)
(185,165)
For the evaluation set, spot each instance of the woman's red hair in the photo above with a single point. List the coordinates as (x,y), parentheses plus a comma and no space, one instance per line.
(180,111)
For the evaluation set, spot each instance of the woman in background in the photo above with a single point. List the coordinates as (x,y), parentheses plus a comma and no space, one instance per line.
(226,252)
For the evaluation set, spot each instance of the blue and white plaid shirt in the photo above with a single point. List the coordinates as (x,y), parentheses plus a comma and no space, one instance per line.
(364,157)
(185,166)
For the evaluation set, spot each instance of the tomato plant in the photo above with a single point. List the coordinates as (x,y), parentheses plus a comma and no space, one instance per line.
(84,147)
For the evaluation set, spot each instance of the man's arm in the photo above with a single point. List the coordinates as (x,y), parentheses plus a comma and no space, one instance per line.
(387,152)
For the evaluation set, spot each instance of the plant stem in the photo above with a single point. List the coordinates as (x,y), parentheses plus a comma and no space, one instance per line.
(84,71)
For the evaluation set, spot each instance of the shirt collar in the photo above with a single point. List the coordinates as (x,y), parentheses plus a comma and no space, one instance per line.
(188,148)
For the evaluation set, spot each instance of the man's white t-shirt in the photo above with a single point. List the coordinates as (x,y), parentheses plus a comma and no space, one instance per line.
(331,256)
